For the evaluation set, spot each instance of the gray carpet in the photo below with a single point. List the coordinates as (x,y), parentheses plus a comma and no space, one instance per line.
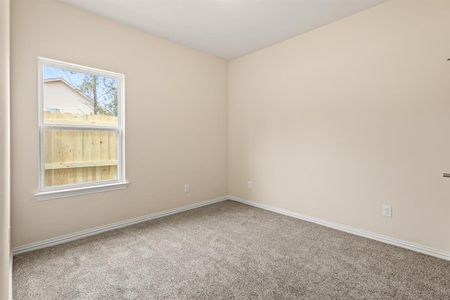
(228,251)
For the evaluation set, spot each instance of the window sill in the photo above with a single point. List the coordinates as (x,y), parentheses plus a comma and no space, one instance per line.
(77,191)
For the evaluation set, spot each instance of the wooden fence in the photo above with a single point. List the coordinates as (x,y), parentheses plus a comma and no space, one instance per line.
(79,156)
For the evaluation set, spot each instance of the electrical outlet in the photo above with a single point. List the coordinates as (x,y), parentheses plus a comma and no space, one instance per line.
(187,188)
(387,211)
(250,184)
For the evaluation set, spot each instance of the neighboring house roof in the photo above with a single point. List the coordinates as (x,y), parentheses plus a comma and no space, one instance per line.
(51,80)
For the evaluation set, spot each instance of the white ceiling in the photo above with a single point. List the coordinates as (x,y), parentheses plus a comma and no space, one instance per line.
(226,28)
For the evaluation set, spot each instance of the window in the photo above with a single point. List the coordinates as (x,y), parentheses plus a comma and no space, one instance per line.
(52,109)
(81,129)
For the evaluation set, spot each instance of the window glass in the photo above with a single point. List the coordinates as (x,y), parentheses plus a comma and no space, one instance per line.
(79,156)
(80,128)
(77,97)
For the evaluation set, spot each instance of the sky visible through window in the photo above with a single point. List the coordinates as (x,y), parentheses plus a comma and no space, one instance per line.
(101,89)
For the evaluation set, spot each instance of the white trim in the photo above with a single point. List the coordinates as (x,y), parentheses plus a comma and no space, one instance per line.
(80,190)
(80,127)
(11,260)
(96,230)
(69,190)
(349,229)
(76,67)
(345,228)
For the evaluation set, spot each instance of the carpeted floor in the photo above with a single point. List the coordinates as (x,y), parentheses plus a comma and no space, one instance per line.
(228,251)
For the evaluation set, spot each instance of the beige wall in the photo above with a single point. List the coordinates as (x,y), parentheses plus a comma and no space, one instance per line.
(175,119)
(5,249)
(331,124)
(337,121)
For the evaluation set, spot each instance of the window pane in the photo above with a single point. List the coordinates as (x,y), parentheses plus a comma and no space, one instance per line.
(79,156)
(78,97)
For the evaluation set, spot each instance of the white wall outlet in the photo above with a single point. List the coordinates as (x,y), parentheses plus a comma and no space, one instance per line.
(387,211)
(187,188)
(250,184)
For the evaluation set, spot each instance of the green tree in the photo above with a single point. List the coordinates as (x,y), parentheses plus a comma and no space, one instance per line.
(89,88)
(102,90)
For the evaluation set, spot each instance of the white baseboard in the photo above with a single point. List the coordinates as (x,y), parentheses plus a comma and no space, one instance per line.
(349,229)
(96,230)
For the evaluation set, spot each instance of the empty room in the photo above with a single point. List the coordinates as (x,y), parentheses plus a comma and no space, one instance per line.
(224,149)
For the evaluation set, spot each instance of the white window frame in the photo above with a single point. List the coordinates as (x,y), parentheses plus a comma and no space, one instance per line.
(91,187)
